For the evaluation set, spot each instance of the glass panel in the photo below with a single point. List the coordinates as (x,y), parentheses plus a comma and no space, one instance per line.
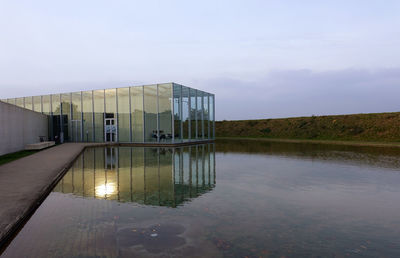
(200,121)
(37,103)
(193,114)
(111,101)
(87,109)
(20,102)
(206,118)
(46,104)
(165,111)
(123,115)
(99,115)
(55,99)
(54,121)
(66,115)
(76,117)
(212,117)
(185,112)
(137,113)
(11,101)
(177,112)
(28,103)
(111,112)
(150,109)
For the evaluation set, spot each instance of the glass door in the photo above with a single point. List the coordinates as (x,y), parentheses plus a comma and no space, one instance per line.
(110,130)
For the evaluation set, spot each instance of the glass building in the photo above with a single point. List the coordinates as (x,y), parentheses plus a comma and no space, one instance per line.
(163,113)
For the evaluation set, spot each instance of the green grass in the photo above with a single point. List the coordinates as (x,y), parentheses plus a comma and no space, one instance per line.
(16,155)
(375,127)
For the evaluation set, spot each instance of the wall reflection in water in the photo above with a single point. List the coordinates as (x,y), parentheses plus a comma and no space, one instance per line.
(150,176)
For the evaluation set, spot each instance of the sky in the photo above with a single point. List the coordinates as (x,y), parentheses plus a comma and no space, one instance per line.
(262,59)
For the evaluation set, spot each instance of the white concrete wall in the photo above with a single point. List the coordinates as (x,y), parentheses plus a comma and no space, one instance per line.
(19,127)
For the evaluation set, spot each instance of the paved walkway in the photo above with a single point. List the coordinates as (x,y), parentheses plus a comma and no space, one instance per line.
(26,181)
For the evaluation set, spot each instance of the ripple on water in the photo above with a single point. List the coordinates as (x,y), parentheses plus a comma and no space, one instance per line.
(154,239)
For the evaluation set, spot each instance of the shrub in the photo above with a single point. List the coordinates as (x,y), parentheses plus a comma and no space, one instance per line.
(302,124)
(266,130)
(252,123)
(354,130)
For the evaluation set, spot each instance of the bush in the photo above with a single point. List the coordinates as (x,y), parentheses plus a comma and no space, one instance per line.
(252,123)
(354,130)
(302,124)
(266,130)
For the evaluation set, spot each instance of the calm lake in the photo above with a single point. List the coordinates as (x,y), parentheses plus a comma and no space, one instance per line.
(229,199)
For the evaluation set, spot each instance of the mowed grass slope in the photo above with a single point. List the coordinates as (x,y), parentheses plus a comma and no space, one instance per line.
(376,127)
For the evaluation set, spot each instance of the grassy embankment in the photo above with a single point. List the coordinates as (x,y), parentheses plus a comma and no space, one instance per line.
(16,155)
(375,127)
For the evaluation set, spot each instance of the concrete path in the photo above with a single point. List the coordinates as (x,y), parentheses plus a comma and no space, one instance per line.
(26,181)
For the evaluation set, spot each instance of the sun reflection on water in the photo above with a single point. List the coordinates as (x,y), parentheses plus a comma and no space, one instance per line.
(105,190)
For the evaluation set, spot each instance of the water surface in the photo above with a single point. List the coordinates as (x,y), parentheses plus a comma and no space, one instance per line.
(229,199)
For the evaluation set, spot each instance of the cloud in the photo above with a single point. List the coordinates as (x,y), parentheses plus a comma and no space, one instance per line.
(279,93)
(288,93)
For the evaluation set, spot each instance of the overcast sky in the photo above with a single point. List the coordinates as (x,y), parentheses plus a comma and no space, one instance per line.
(262,59)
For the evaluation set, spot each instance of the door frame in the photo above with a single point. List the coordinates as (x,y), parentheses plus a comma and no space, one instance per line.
(114,131)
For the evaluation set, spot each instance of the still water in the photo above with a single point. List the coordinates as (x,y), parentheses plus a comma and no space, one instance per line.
(228,199)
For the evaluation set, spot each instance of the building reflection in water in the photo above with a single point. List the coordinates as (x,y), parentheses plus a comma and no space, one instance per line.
(150,176)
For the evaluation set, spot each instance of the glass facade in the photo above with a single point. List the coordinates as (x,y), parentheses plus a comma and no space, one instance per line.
(37,104)
(87,115)
(150,113)
(27,102)
(165,112)
(98,100)
(20,102)
(193,114)
(200,115)
(45,104)
(177,92)
(66,116)
(157,113)
(137,114)
(124,115)
(76,118)
(206,116)
(185,113)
